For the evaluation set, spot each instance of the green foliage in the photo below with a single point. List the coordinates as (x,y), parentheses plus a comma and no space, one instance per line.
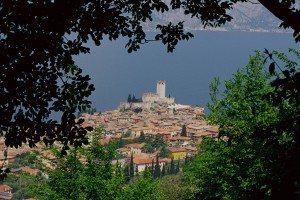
(142,137)
(129,98)
(127,134)
(97,178)
(153,143)
(127,173)
(257,152)
(133,99)
(90,111)
(131,167)
(172,169)
(26,159)
(164,151)
(22,184)
(172,187)
(143,188)
(163,170)
(157,171)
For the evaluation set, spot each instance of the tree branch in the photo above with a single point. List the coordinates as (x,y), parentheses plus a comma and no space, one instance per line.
(283,12)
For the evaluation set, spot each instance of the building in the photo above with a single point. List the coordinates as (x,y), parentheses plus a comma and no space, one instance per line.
(178,153)
(159,96)
(5,192)
(141,162)
(161,88)
(135,148)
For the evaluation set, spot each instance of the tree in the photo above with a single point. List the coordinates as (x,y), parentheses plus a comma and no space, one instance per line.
(127,173)
(183,131)
(39,41)
(129,98)
(144,188)
(177,167)
(152,168)
(39,75)
(142,137)
(255,153)
(172,167)
(136,170)
(131,167)
(22,184)
(97,178)
(164,151)
(133,100)
(157,172)
(153,143)
(172,187)
(163,170)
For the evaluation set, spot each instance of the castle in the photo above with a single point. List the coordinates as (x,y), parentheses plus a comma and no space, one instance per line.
(159,96)
(150,97)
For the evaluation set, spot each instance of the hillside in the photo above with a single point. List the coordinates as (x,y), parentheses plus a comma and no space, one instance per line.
(247,17)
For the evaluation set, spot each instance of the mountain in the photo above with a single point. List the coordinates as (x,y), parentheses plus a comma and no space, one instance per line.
(246,17)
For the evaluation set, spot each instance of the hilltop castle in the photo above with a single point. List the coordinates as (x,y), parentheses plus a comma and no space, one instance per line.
(159,96)
(149,98)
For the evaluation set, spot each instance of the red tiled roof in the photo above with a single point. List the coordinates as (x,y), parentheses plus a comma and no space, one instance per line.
(5,188)
(177,149)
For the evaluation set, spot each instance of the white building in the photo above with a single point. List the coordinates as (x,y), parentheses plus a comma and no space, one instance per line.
(161,88)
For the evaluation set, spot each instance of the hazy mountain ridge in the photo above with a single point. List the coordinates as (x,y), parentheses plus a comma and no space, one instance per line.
(246,17)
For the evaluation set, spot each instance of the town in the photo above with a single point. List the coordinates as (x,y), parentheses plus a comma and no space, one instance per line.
(138,123)
(152,130)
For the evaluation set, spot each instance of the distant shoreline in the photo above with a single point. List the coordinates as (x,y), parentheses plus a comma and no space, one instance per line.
(237,30)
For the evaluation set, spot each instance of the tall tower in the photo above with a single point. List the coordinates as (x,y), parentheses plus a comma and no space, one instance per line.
(161,89)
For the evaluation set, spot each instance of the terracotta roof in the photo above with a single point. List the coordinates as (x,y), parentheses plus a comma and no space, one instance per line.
(142,160)
(5,188)
(177,149)
(180,138)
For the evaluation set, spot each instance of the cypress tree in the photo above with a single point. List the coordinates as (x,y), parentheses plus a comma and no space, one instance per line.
(172,167)
(129,98)
(136,170)
(156,173)
(152,168)
(131,167)
(133,99)
(127,173)
(177,167)
(163,171)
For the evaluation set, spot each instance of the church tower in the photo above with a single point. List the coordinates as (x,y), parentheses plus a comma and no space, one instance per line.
(161,88)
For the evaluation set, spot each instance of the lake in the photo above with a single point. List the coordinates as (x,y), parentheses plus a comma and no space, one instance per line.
(188,71)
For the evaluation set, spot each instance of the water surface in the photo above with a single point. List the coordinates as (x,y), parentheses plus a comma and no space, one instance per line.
(188,71)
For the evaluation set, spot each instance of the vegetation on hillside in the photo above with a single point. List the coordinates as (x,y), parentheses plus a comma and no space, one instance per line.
(257,153)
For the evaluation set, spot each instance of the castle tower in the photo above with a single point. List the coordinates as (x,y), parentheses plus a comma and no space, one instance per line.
(161,89)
